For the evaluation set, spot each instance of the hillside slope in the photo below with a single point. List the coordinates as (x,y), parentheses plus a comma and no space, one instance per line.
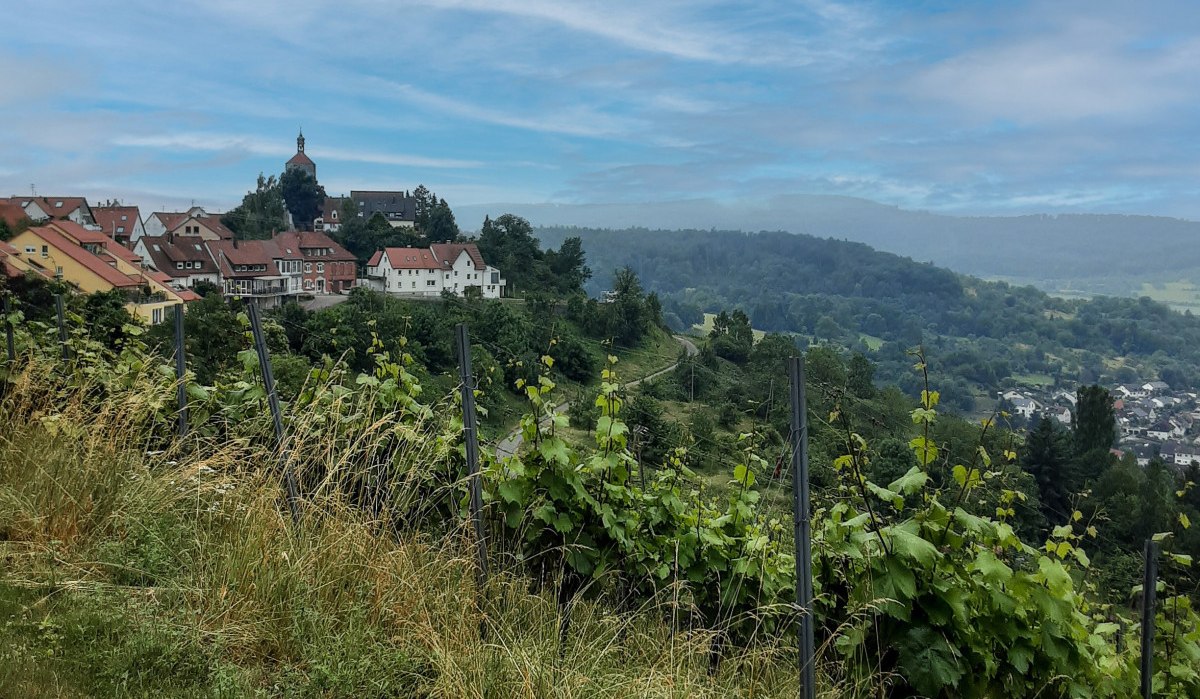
(1099,253)
(982,332)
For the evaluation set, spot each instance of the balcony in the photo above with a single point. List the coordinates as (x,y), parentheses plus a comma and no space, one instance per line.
(258,286)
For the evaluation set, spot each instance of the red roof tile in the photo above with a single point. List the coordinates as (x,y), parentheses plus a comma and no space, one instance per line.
(412,258)
(300,159)
(93,263)
(449,252)
(60,206)
(110,221)
(12,213)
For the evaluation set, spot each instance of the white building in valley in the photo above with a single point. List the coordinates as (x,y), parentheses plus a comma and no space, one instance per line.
(429,271)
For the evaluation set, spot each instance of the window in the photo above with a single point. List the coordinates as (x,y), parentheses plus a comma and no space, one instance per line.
(178,265)
(156,315)
(124,217)
(307,267)
(45,250)
(120,229)
(30,250)
(58,204)
(321,267)
(431,282)
(495,277)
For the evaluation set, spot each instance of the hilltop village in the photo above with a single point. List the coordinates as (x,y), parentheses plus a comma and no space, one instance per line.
(163,258)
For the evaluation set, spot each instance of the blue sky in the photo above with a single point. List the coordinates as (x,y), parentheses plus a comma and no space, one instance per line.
(961,107)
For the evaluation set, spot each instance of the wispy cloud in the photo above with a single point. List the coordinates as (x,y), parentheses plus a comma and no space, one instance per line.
(209,142)
(1086,69)
(572,121)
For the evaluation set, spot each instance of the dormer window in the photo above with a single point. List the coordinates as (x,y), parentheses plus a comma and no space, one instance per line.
(58,204)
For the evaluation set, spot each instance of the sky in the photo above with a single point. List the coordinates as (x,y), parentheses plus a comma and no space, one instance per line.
(955,107)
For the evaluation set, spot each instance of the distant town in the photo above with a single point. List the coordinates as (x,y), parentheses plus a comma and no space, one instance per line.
(162,259)
(1152,419)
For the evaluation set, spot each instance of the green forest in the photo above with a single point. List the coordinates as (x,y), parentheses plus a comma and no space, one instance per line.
(979,334)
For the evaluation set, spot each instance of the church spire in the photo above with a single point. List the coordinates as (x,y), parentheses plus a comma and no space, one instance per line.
(300,142)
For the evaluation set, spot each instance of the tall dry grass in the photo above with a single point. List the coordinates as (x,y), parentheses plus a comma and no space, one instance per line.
(196,539)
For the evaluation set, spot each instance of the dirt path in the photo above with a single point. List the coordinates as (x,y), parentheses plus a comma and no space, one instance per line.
(510,444)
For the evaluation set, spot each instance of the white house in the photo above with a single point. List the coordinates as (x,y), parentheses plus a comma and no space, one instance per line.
(121,223)
(1063,415)
(1025,407)
(429,271)
(73,209)
(185,260)
(194,222)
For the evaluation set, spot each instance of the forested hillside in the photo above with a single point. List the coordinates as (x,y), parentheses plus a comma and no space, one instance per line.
(980,333)
(1099,253)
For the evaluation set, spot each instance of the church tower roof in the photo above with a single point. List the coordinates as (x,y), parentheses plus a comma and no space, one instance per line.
(300,160)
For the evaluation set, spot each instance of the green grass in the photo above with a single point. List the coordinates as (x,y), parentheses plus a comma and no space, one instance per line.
(873,343)
(706,327)
(1036,380)
(179,574)
(1181,295)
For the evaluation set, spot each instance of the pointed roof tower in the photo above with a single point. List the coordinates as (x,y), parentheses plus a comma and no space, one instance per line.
(300,161)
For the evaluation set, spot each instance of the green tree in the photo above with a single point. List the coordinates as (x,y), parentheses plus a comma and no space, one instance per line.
(439,224)
(1094,422)
(302,196)
(261,213)
(1047,457)
(568,265)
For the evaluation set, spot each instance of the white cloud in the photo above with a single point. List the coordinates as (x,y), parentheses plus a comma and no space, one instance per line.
(207,142)
(1085,70)
(573,121)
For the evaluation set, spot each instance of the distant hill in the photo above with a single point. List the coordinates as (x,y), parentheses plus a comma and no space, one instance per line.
(982,334)
(1087,253)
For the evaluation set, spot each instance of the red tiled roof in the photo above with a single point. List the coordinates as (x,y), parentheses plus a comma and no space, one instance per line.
(374,261)
(298,241)
(187,295)
(449,252)
(165,253)
(173,220)
(411,258)
(300,159)
(246,252)
(110,221)
(170,219)
(68,204)
(11,213)
(93,263)
(76,232)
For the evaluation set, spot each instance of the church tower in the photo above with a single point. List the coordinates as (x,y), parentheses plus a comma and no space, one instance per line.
(300,161)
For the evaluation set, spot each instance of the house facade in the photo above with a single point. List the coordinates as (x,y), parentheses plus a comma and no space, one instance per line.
(256,271)
(121,223)
(195,222)
(326,267)
(450,267)
(398,208)
(330,218)
(93,262)
(73,209)
(186,261)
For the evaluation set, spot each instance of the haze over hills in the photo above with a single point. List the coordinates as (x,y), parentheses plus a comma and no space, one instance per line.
(1084,253)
